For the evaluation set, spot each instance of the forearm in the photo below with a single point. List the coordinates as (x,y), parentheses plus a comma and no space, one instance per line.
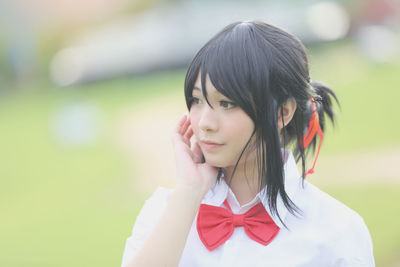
(165,244)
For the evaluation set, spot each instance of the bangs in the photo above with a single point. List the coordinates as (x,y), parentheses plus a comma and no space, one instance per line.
(235,66)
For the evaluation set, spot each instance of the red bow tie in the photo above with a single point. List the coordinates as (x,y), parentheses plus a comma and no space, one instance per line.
(215,225)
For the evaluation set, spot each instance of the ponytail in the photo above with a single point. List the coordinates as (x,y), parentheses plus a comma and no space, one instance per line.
(314,120)
(324,103)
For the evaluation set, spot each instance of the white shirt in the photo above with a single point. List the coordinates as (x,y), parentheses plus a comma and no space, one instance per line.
(328,233)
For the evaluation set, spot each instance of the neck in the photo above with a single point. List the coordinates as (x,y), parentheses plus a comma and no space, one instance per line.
(244,183)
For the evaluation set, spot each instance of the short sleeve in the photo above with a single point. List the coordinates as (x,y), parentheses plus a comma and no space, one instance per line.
(145,222)
(357,249)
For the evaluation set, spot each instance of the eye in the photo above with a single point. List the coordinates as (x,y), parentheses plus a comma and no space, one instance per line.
(227,104)
(194,100)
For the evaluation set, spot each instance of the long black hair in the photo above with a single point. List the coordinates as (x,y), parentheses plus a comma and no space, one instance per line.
(259,67)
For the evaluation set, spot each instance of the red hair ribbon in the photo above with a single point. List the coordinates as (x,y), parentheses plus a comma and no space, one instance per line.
(313,128)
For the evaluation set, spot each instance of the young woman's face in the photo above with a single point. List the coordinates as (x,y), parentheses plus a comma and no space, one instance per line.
(226,125)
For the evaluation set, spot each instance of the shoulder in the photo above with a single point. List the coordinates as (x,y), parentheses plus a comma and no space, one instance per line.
(155,204)
(151,211)
(145,221)
(342,229)
(159,194)
(319,205)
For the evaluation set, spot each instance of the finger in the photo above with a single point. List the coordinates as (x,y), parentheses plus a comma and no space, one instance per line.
(186,138)
(189,133)
(197,153)
(180,123)
(185,126)
(176,134)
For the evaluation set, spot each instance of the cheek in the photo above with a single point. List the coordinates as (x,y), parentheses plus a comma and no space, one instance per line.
(240,130)
(241,134)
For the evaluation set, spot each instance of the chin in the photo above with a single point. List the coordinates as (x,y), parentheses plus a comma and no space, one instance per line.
(215,162)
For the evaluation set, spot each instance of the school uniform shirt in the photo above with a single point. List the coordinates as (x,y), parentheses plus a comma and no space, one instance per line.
(327,234)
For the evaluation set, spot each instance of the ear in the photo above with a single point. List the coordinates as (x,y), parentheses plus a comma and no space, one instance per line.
(287,110)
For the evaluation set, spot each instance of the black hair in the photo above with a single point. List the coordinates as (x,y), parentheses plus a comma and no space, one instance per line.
(259,67)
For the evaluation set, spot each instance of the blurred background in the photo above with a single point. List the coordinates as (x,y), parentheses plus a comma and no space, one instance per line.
(90,91)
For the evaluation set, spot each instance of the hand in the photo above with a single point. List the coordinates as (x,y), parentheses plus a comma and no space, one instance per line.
(192,173)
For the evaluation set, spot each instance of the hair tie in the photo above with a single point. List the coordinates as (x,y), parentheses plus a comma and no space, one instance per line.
(313,128)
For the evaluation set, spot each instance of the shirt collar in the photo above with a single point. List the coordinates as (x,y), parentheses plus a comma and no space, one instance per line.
(219,192)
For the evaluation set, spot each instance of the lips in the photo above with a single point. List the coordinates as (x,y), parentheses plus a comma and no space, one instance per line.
(210,145)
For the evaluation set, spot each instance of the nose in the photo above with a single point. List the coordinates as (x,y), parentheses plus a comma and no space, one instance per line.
(208,119)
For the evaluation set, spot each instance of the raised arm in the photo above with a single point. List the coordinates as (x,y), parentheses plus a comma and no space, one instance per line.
(165,243)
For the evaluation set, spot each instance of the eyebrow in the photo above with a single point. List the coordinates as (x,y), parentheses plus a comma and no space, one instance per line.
(198,89)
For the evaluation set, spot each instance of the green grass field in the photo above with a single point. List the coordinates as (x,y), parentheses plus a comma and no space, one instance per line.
(73,205)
